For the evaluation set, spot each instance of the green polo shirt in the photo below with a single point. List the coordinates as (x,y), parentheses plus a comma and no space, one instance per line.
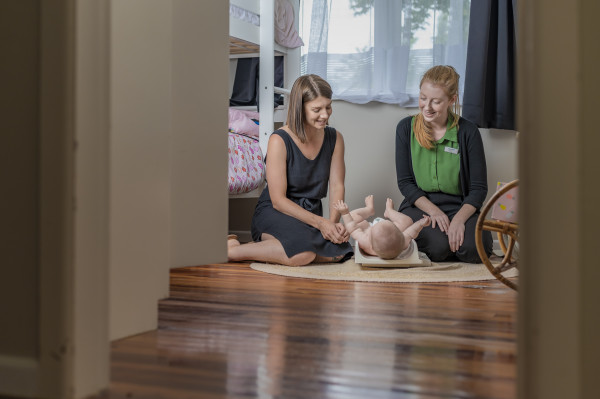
(437,169)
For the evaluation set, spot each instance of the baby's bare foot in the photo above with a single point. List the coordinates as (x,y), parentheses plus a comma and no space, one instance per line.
(369,203)
(389,207)
(389,203)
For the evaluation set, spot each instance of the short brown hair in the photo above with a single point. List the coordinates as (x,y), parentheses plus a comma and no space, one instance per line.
(386,239)
(306,88)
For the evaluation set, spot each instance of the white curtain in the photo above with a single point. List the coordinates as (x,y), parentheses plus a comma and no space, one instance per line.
(377,50)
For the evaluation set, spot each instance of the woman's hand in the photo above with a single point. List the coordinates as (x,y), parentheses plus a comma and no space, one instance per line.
(456,234)
(341,228)
(331,231)
(439,218)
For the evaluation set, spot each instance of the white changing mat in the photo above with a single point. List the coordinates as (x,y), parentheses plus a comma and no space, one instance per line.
(408,258)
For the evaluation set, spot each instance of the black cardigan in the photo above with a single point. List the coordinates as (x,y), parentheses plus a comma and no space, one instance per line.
(472,175)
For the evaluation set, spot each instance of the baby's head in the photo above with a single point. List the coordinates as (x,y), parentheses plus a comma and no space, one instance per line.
(387,240)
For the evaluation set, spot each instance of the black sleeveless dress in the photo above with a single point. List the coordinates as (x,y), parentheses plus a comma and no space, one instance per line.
(307,184)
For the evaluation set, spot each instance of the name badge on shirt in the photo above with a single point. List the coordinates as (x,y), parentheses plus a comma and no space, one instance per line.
(451,150)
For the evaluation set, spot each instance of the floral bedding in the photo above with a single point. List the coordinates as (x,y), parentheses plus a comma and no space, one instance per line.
(246,164)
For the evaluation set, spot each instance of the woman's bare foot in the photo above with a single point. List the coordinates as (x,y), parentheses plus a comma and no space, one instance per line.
(231,243)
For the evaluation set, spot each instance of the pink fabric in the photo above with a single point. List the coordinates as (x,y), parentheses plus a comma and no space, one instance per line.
(506,208)
(246,165)
(241,122)
(285,31)
(250,114)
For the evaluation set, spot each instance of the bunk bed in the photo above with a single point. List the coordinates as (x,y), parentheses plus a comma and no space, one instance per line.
(254,32)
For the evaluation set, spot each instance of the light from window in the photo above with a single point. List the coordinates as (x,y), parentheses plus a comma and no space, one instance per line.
(377,50)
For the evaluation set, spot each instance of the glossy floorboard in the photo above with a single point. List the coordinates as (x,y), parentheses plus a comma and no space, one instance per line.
(227,331)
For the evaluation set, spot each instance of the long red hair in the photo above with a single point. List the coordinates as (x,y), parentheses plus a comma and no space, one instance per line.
(447,78)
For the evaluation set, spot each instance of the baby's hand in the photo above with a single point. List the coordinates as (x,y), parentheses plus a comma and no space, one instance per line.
(426,221)
(341,206)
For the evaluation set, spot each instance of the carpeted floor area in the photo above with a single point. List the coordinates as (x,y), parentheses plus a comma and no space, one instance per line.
(351,271)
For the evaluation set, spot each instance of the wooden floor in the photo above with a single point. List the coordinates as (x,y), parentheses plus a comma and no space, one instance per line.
(228,331)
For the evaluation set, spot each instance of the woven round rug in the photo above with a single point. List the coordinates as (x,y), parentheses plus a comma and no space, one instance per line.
(351,271)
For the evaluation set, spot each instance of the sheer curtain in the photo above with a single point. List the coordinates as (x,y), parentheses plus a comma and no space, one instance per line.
(377,50)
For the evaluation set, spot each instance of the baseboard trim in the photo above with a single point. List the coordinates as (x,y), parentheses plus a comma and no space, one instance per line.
(497,249)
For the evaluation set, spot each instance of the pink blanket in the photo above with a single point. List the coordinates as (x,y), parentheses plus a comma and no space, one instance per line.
(246,164)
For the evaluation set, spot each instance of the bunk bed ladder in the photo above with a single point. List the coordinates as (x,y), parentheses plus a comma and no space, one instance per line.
(266,72)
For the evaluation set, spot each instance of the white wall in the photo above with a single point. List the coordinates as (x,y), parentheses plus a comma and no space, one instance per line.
(90,317)
(199,149)
(140,162)
(502,156)
(168,194)
(369,132)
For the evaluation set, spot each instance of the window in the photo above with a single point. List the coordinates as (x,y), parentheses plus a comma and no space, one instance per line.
(377,50)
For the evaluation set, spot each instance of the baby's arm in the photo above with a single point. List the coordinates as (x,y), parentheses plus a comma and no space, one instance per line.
(354,225)
(349,222)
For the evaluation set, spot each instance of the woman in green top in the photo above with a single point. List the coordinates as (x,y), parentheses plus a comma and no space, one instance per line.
(441,170)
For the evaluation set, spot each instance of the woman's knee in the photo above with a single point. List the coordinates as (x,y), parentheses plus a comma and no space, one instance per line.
(468,251)
(438,254)
(301,259)
(435,246)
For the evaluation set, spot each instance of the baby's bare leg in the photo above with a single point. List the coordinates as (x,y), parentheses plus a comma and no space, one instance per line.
(361,214)
(401,220)
(414,229)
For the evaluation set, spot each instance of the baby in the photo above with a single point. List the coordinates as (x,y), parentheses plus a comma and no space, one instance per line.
(385,238)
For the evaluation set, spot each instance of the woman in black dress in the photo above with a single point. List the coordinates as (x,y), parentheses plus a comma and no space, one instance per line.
(304,158)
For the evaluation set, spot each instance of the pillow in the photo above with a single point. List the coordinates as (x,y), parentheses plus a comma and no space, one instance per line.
(241,122)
